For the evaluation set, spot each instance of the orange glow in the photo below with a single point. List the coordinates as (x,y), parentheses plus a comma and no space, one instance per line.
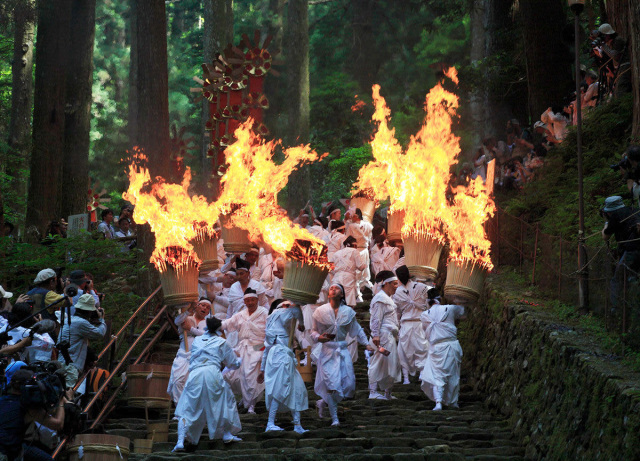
(171,213)
(378,178)
(465,219)
(417,181)
(250,189)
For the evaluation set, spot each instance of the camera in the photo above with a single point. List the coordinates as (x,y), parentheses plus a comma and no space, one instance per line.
(71,291)
(597,42)
(624,164)
(43,390)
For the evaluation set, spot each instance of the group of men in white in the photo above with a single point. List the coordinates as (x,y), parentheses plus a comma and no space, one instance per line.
(239,338)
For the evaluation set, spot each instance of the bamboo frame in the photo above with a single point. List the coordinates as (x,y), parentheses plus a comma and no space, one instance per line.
(422,255)
(206,248)
(302,282)
(366,205)
(395,221)
(180,286)
(465,280)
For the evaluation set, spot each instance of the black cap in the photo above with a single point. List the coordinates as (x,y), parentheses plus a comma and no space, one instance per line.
(242,264)
(78,276)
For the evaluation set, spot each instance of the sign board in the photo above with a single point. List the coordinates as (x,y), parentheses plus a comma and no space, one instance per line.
(77,222)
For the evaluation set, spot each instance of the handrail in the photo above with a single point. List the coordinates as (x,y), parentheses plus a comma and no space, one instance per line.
(107,405)
(114,338)
(113,373)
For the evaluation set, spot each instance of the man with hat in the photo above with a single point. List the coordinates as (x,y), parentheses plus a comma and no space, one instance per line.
(87,324)
(384,367)
(250,323)
(441,373)
(624,224)
(335,378)
(44,294)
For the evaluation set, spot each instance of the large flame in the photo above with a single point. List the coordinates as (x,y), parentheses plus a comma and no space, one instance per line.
(175,217)
(465,220)
(249,195)
(377,179)
(417,182)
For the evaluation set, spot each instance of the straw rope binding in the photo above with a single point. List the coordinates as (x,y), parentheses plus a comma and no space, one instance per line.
(464,280)
(302,282)
(180,286)
(422,254)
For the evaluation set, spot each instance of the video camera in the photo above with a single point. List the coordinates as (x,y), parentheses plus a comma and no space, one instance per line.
(45,389)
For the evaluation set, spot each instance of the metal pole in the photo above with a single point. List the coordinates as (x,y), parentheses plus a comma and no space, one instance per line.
(583,284)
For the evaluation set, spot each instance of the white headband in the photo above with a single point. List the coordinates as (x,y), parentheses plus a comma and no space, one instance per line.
(283,302)
(205,301)
(336,285)
(250,295)
(390,279)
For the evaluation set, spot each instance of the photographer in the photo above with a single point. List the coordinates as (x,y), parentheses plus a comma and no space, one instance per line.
(25,340)
(25,406)
(87,323)
(83,282)
(623,223)
(44,292)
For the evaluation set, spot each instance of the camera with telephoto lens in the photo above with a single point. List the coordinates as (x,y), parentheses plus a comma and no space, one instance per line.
(624,164)
(44,390)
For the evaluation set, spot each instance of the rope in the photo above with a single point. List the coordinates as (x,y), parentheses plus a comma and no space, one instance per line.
(99,448)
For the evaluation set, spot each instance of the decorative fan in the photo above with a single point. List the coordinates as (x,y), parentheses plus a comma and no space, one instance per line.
(95,200)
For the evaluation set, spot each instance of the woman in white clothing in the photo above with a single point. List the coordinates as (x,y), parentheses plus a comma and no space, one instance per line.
(335,378)
(284,388)
(207,399)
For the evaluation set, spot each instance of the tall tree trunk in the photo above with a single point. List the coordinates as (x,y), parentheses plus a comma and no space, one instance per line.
(297,55)
(363,51)
(52,49)
(274,86)
(548,60)
(149,105)
(479,97)
(218,32)
(75,171)
(21,98)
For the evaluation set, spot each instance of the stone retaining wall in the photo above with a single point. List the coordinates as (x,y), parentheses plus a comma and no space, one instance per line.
(563,399)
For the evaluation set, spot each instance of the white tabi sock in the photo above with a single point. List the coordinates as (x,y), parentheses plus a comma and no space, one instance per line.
(405,374)
(333,410)
(271,424)
(297,427)
(182,432)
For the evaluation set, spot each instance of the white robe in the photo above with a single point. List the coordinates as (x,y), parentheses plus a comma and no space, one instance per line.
(236,304)
(384,259)
(411,301)
(335,243)
(320,232)
(442,366)
(207,399)
(305,338)
(383,322)
(348,263)
(362,232)
(251,330)
(180,366)
(334,374)
(282,379)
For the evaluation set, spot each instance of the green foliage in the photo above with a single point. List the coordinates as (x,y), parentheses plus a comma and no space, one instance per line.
(104,259)
(343,172)
(553,198)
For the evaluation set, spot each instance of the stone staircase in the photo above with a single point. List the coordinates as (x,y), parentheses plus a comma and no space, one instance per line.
(404,429)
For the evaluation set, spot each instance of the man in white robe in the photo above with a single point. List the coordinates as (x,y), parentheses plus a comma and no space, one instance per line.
(215,286)
(191,324)
(411,301)
(207,399)
(272,280)
(441,373)
(348,263)
(384,257)
(243,281)
(384,367)
(361,230)
(284,387)
(250,323)
(335,378)
(337,238)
